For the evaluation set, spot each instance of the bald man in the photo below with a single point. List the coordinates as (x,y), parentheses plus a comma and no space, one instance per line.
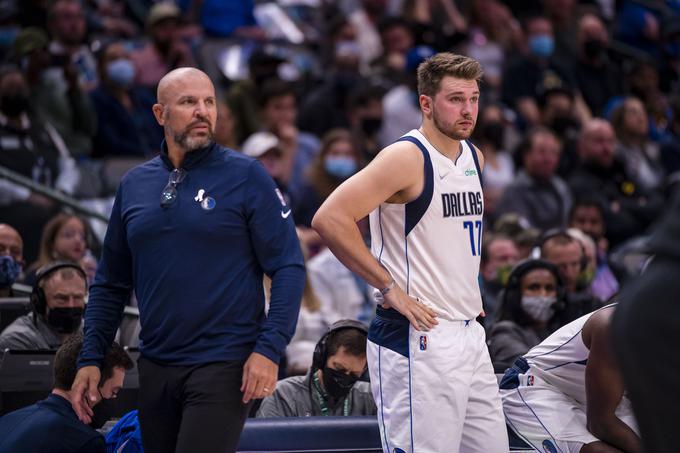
(192,232)
(11,258)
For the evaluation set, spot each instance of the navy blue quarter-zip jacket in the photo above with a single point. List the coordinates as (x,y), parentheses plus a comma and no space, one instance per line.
(196,265)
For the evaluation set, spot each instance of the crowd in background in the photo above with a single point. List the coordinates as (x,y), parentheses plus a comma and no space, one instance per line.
(579,123)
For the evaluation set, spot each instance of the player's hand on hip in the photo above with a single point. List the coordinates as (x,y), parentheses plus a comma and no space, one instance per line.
(84,392)
(259,377)
(419,315)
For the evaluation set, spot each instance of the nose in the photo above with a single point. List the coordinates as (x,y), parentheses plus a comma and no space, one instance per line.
(201,109)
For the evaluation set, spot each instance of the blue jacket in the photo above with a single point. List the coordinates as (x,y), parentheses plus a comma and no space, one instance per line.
(197,272)
(49,425)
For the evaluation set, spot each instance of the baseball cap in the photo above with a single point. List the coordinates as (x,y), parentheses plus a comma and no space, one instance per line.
(29,40)
(259,143)
(162,11)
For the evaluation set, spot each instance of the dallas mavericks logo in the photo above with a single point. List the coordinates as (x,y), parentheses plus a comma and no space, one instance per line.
(207,203)
(423,342)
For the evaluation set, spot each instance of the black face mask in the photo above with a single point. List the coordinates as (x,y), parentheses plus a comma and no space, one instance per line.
(13,105)
(593,48)
(104,411)
(563,124)
(494,132)
(337,384)
(65,319)
(371,125)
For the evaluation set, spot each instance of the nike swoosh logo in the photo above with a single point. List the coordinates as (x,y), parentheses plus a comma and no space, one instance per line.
(442,176)
(285,214)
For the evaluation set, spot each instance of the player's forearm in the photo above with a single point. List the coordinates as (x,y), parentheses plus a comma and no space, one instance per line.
(615,432)
(342,236)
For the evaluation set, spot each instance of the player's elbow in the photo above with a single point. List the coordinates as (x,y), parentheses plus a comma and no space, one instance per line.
(321,221)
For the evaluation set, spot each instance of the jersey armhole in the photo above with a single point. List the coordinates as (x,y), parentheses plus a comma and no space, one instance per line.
(415,210)
(476,159)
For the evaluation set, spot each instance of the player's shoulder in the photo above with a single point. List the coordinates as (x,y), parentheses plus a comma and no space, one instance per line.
(401,151)
(478,152)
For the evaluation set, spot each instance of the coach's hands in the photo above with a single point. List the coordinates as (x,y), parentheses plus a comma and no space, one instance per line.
(420,315)
(259,377)
(84,392)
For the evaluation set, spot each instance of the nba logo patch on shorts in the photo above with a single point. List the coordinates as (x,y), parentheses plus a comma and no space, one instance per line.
(423,342)
(530,380)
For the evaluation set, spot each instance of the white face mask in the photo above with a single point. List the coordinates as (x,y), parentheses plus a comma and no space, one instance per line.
(539,308)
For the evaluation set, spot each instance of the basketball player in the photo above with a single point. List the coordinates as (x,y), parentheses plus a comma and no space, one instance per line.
(566,394)
(431,376)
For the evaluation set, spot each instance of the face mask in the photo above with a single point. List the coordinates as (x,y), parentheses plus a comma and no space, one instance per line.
(9,271)
(121,72)
(539,308)
(337,384)
(371,125)
(593,48)
(14,105)
(564,123)
(104,411)
(65,319)
(494,132)
(542,45)
(341,167)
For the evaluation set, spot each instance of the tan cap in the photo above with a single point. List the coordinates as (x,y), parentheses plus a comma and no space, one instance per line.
(259,143)
(161,11)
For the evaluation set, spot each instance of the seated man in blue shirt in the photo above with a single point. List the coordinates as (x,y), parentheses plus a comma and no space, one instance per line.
(52,424)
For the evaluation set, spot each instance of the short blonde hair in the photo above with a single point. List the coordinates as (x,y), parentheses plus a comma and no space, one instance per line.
(434,69)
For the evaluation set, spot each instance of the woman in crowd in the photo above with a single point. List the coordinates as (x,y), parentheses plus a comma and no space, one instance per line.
(528,314)
(338,159)
(64,238)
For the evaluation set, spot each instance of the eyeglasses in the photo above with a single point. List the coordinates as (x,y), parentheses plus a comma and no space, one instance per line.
(169,194)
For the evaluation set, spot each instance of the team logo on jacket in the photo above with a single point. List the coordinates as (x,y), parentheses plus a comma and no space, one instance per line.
(207,203)
(423,342)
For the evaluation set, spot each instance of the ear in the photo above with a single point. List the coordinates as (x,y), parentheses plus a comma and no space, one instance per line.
(158,110)
(425,104)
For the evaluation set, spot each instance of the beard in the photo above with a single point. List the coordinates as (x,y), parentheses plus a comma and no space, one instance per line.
(188,143)
(449,129)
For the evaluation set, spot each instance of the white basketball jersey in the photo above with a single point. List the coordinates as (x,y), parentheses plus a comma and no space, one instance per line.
(560,360)
(432,245)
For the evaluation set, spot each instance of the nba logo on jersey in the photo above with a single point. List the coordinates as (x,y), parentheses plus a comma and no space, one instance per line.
(423,342)
(530,380)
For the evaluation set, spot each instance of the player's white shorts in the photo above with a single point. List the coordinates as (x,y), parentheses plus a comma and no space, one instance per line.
(435,391)
(548,419)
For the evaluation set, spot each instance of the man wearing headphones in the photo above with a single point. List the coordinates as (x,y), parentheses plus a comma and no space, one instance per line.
(566,252)
(331,386)
(57,302)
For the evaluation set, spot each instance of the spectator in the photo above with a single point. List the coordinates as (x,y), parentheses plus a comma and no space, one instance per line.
(56,92)
(629,208)
(221,19)
(266,147)
(11,258)
(499,168)
(365,115)
(528,75)
(569,255)
(325,107)
(332,386)
(66,24)
(639,155)
(559,114)
(438,24)
(597,77)
(396,35)
(499,256)
(538,194)
(32,147)
(165,50)
(126,125)
(564,19)
(587,215)
(574,387)
(64,238)
(57,303)
(529,311)
(338,159)
(51,424)
(278,113)
(242,95)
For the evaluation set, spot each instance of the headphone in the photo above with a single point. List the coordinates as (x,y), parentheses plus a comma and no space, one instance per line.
(321,349)
(38,299)
(536,252)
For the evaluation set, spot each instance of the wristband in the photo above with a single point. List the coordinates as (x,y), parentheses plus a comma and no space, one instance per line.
(388,288)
